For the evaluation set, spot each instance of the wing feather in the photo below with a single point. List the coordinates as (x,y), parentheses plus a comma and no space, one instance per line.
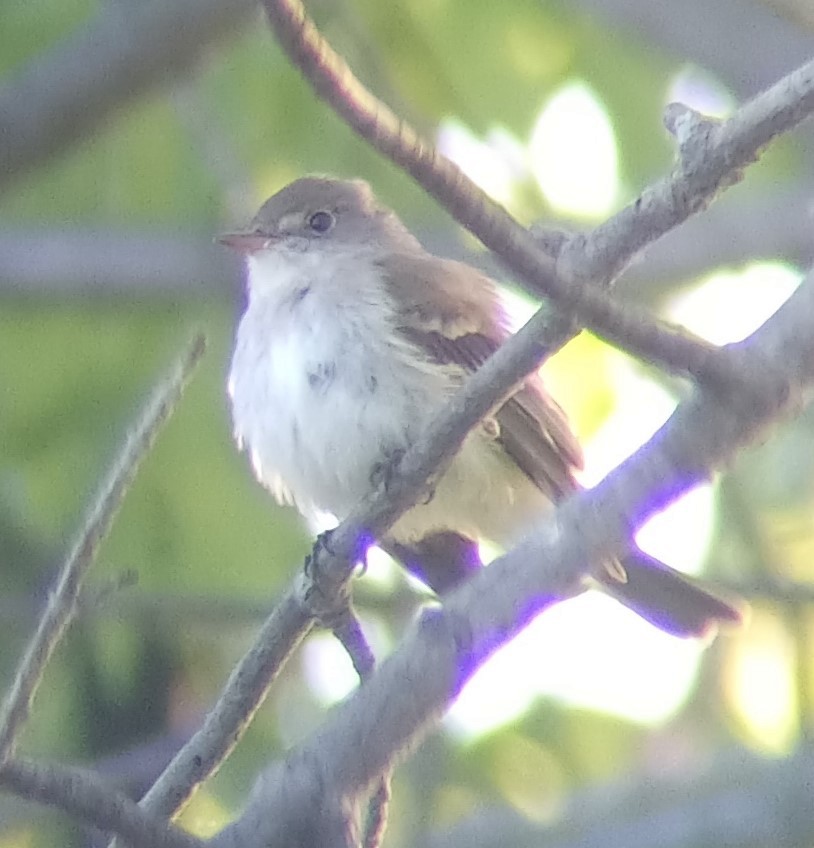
(456,317)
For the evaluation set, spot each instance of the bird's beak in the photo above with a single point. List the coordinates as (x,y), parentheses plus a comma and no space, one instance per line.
(246,242)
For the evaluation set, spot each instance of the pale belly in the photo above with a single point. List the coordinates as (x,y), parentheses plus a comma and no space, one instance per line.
(318,431)
(316,427)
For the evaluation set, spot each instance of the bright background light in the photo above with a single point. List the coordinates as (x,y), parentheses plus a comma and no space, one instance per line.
(761,676)
(701,91)
(588,652)
(591,652)
(573,153)
(496,164)
(729,305)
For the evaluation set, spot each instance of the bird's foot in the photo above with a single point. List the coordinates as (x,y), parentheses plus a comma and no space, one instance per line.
(382,473)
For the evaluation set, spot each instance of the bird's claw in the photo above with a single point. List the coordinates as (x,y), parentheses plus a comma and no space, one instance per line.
(382,473)
(321,543)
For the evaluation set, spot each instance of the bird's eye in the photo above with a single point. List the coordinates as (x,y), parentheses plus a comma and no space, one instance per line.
(321,222)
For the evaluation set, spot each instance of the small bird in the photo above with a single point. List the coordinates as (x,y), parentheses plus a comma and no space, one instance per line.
(354,336)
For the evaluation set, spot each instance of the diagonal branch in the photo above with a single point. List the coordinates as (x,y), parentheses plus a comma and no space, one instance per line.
(289,623)
(62,600)
(447,645)
(302,604)
(296,614)
(574,280)
(85,796)
(348,630)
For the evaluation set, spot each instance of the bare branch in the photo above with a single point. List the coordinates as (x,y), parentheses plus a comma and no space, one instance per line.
(62,601)
(377,813)
(84,262)
(348,630)
(64,96)
(446,646)
(742,228)
(84,795)
(285,628)
(573,281)
(296,614)
(450,643)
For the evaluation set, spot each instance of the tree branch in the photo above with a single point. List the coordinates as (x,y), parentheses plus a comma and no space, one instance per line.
(459,637)
(447,645)
(738,230)
(288,624)
(573,280)
(84,795)
(484,392)
(348,630)
(62,601)
(92,262)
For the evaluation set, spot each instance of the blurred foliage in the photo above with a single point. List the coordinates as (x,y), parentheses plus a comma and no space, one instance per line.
(73,372)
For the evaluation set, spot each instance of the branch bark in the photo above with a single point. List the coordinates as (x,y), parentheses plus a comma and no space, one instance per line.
(763,381)
(710,161)
(84,262)
(90,800)
(377,725)
(318,789)
(62,600)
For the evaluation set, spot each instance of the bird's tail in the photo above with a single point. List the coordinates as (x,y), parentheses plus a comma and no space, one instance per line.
(661,595)
(671,601)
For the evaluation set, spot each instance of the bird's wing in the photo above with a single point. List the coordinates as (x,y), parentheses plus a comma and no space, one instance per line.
(454,314)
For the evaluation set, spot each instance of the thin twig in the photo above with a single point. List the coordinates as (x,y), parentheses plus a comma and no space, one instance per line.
(574,282)
(62,600)
(244,691)
(349,633)
(348,630)
(92,800)
(377,813)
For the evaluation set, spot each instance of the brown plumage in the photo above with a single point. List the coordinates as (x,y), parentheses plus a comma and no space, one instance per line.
(534,432)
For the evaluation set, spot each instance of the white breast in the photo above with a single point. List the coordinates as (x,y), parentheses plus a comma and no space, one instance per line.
(322,388)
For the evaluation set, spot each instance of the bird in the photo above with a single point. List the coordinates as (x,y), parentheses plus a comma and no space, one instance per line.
(352,338)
